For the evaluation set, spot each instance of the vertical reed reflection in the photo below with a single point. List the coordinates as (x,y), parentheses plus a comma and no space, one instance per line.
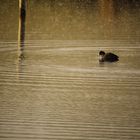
(21,29)
(21,35)
(107,16)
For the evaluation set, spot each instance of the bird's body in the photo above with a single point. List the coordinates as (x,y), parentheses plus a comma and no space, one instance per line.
(107,57)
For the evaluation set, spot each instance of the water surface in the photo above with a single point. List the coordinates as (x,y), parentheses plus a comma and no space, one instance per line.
(58,90)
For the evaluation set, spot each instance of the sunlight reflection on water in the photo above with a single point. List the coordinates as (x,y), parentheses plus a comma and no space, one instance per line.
(59,90)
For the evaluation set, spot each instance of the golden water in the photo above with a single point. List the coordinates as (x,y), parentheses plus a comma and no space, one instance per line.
(58,90)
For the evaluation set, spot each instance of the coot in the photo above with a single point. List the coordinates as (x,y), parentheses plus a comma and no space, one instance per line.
(107,57)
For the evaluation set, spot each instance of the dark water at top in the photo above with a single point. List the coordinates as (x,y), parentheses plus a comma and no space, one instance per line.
(58,90)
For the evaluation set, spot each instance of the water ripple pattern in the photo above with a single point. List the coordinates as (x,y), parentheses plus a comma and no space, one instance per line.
(59,91)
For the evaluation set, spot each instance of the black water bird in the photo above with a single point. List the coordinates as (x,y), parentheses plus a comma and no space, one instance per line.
(107,57)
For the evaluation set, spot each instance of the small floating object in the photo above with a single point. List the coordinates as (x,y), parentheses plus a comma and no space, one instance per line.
(107,57)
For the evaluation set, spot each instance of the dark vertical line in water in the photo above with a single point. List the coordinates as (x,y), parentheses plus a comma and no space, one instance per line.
(52,5)
(21,29)
(21,35)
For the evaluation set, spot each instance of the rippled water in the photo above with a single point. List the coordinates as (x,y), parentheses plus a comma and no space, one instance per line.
(58,90)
